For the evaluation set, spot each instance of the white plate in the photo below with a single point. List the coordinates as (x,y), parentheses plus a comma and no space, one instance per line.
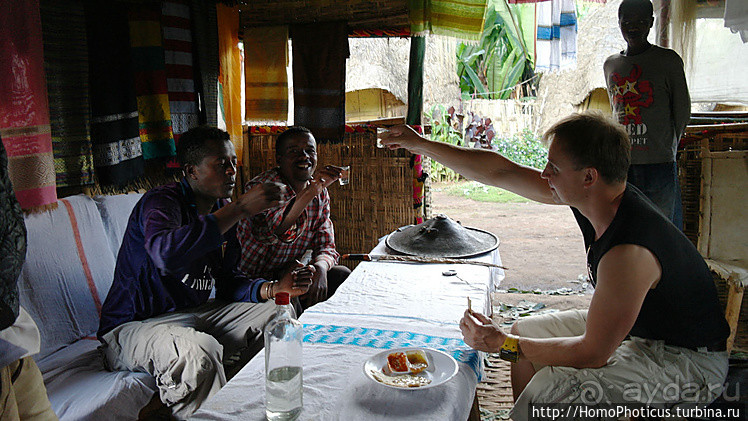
(442,367)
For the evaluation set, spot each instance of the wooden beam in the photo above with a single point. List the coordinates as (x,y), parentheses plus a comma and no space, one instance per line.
(732,312)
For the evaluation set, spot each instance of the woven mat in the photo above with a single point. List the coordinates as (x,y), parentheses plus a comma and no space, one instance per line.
(495,391)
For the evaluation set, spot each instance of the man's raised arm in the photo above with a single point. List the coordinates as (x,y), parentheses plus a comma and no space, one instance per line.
(481,165)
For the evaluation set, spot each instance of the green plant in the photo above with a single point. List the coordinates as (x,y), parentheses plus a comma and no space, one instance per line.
(524,148)
(500,61)
(442,130)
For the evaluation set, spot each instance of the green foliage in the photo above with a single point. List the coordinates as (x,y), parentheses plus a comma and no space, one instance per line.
(442,131)
(524,148)
(499,62)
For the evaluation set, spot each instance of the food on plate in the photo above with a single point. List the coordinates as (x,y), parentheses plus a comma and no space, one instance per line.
(397,362)
(417,360)
(404,381)
(408,362)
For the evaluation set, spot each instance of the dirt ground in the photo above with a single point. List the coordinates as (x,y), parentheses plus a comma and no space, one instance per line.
(540,245)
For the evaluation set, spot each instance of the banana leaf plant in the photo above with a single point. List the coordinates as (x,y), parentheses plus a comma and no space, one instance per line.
(500,61)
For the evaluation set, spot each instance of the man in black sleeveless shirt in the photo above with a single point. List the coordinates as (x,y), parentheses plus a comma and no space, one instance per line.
(654,334)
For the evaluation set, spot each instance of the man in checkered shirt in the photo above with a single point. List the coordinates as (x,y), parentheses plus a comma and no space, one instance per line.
(272,241)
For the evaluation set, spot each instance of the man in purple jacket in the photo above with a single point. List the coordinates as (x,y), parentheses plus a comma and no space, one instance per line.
(180,243)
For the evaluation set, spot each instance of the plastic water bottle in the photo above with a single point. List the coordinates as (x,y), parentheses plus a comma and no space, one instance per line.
(283,362)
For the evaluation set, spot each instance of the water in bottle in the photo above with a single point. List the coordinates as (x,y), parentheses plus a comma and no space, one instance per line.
(283,362)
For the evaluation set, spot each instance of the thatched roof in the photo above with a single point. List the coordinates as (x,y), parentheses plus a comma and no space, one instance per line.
(383,63)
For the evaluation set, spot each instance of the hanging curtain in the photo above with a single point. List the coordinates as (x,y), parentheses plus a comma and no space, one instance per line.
(66,64)
(24,110)
(180,76)
(231,73)
(117,150)
(154,115)
(556,40)
(205,39)
(460,19)
(319,54)
(265,77)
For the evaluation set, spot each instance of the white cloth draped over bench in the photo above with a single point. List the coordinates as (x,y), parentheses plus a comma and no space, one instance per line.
(66,276)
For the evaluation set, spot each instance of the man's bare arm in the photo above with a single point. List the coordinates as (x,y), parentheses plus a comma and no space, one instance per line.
(481,165)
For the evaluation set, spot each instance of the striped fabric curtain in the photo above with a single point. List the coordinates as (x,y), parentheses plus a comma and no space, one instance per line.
(556,43)
(320,51)
(461,19)
(180,75)
(265,77)
(117,149)
(154,113)
(66,65)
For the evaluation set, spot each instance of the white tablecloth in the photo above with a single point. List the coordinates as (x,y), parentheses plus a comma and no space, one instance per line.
(380,306)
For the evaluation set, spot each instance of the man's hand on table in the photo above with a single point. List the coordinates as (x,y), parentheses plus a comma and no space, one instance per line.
(481,333)
(318,291)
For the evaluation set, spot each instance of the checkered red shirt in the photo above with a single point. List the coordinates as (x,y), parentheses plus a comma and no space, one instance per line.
(265,254)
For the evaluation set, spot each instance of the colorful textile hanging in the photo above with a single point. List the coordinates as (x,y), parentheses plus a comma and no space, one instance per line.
(265,77)
(180,76)
(117,150)
(24,110)
(556,45)
(154,116)
(460,19)
(66,63)
(230,74)
(319,54)
(205,38)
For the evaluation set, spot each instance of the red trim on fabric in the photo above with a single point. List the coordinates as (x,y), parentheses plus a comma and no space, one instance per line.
(82,256)
(153,130)
(179,71)
(151,82)
(177,45)
(171,21)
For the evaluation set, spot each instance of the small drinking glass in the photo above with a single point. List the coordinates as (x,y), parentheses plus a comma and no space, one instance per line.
(345,175)
(381,132)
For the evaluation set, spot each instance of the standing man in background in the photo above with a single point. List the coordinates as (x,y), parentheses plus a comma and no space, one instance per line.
(649,96)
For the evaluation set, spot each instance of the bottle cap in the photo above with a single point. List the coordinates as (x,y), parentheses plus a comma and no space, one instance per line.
(282,298)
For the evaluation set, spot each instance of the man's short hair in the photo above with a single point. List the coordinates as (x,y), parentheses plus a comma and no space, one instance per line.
(280,142)
(641,6)
(192,146)
(594,140)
